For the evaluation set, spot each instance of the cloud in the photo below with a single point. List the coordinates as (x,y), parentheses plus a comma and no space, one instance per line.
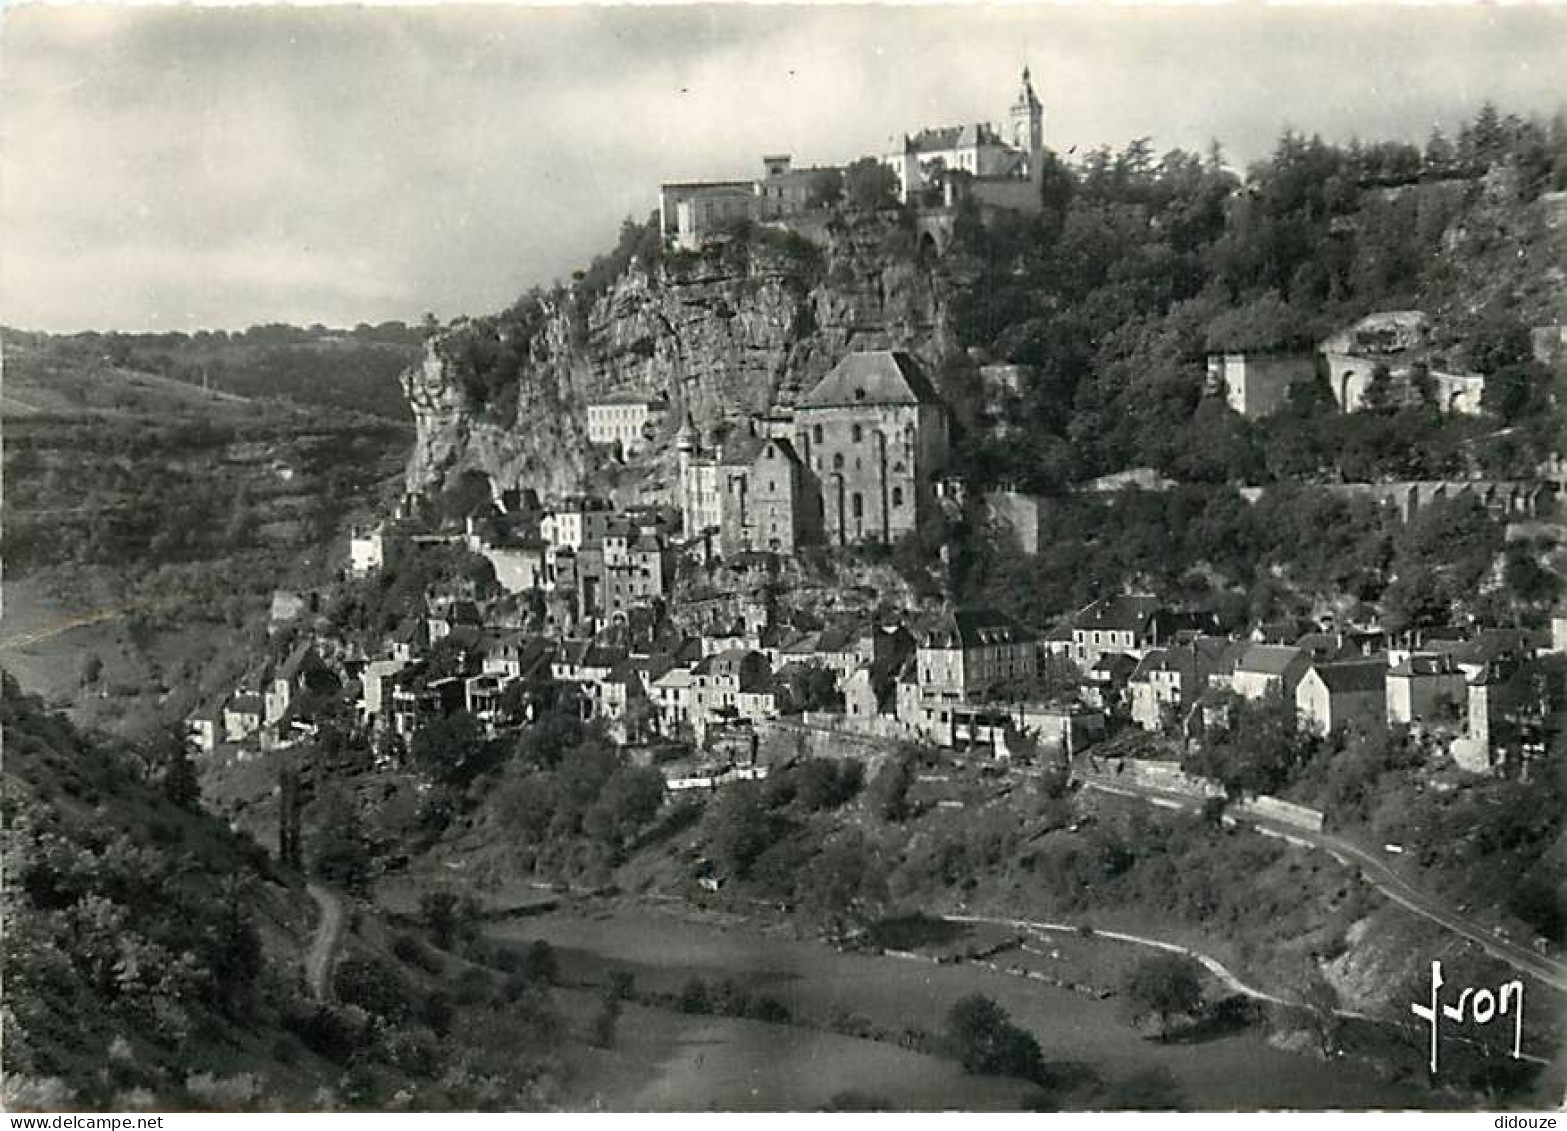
(185,167)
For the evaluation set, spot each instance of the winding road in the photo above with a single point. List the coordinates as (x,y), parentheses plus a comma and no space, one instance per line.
(1212,965)
(1375,871)
(1225,976)
(329,929)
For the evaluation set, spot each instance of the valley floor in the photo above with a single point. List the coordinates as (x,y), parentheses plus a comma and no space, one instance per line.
(671,1061)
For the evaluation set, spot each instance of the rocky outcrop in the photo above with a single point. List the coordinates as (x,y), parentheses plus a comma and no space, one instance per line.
(722,334)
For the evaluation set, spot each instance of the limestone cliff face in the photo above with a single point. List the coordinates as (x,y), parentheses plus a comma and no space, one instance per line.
(721,334)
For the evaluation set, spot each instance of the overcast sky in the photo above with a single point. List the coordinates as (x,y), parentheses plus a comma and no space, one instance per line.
(182,168)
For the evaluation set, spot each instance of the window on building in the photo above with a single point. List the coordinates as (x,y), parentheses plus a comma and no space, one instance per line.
(897,496)
(857,505)
(837,461)
(816,434)
(857,433)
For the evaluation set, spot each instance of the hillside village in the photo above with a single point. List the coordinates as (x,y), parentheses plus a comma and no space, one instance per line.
(577,597)
(694,614)
(1067,571)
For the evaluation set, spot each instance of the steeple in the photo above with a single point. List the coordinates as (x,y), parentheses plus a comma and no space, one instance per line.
(1026,119)
(1026,99)
(686,438)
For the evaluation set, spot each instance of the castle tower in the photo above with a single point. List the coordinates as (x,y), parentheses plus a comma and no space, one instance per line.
(1026,121)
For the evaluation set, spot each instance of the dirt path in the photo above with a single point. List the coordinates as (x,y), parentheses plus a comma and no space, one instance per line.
(318,962)
(56,628)
(1209,963)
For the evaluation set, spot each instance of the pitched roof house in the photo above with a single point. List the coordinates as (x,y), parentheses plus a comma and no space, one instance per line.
(1334,695)
(1260,669)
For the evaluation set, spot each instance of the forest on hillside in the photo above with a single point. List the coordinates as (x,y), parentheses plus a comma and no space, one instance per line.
(153,957)
(1140,265)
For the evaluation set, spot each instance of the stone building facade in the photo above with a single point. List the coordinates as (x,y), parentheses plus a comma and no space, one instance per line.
(873,438)
(692,212)
(1258,384)
(868,444)
(767,504)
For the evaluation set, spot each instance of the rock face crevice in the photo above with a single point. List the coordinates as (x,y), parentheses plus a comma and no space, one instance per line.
(721,334)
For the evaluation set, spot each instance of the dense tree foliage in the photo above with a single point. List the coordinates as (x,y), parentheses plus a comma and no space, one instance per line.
(1164,987)
(870,184)
(812,687)
(984,1040)
(1139,265)
(570,798)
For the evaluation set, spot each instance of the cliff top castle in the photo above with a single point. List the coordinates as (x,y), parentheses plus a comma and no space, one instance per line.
(984,151)
(1001,165)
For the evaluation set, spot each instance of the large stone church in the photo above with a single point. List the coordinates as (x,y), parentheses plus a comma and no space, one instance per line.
(856,461)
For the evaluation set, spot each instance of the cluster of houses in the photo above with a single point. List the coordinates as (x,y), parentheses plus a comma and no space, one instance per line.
(1457,684)
(959,679)
(588,616)
(591,566)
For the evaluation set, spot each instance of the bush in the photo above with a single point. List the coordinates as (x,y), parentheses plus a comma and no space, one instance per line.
(539,963)
(841,1020)
(694,997)
(984,1041)
(473,986)
(414,1051)
(1164,986)
(373,985)
(767,1008)
(619,985)
(413,952)
(335,1032)
(730,999)
(601,1033)
(439,1012)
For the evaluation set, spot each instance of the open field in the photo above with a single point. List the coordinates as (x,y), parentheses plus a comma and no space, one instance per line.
(666,1061)
(1233,1072)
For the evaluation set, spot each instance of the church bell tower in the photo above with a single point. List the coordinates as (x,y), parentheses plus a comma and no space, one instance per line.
(1026,121)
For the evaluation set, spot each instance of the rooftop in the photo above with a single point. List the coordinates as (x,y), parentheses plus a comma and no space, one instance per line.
(934,139)
(873,377)
(1267,659)
(1354,675)
(1418,665)
(974,628)
(1125,613)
